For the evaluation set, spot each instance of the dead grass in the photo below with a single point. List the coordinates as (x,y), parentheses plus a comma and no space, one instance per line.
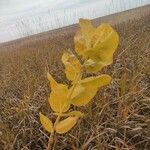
(117,119)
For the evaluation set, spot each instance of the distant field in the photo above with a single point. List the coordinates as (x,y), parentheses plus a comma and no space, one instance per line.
(51,15)
(119,116)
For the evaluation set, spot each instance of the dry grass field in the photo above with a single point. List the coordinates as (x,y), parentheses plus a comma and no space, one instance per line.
(117,119)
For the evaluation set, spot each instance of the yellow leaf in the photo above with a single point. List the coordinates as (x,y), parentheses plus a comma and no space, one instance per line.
(72,65)
(73,114)
(90,85)
(53,83)
(46,123)
(59,103)
(101,32)
(96,44)
(87,31)
(83,37)
(66,125)
(58,97)
(80,43)
(92,66)
(96,82)
(84,97)
(103,49)
(76,114)
(77,91)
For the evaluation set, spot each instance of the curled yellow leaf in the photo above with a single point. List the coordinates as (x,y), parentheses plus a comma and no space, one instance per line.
(104,47)
(46,123)
(72,65)
(66,125)
(96,45)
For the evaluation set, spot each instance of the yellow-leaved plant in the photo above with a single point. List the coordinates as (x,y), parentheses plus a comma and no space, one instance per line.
(95,47)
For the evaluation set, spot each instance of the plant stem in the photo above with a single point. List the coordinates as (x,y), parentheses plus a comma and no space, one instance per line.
(50,142)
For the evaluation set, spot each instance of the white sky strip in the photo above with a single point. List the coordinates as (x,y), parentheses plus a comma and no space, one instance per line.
(20,18)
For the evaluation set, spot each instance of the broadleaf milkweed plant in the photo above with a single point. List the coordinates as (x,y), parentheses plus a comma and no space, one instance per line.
(96,47)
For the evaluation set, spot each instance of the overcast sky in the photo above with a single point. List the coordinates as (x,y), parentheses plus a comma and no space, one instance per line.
(19,18)
(9,7)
